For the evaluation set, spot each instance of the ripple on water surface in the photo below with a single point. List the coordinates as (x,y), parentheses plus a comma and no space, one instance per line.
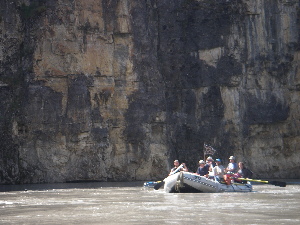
(129,203)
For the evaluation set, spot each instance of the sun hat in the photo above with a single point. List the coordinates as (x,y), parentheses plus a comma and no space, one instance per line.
(209,158)
(201,162)
(232,157)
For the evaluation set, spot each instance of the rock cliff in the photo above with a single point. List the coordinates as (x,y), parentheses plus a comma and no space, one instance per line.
(117,89)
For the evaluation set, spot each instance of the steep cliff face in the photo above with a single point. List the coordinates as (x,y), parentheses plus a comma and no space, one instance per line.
(116,90)
(237,80)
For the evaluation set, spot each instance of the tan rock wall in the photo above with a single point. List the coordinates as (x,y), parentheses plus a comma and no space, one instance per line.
(116,90)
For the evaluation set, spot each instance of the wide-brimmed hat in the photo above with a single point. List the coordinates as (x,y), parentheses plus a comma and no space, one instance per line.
(232,157)
(201,161)
(209,158)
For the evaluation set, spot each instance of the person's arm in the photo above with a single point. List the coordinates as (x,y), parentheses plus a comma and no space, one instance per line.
(227,168)
(210,167)
(185,169)
(222,170)
(198,171)
(206,172)
(217,171)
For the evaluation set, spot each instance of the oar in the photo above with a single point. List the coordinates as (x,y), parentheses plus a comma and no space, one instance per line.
(158,185)
(276,183)
(161,183)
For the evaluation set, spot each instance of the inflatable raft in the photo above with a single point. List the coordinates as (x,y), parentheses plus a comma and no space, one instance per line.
(191,182)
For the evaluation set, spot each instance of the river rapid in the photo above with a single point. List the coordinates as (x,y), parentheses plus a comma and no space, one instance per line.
(131,203)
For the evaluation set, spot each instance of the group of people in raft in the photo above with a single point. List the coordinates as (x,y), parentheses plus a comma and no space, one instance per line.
(215,170)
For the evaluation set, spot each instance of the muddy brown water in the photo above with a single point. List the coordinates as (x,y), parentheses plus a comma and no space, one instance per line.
(131,203)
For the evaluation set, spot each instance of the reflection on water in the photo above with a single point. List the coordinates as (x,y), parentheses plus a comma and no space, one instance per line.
(130,203)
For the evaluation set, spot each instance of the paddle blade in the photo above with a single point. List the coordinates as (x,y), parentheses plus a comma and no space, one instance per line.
(278,183)
(158,185)
(150,184)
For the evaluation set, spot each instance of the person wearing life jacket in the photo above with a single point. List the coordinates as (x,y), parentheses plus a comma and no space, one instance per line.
(176,165)
(202,169)
(210,163)
(218,170)
(242,172)
(231,169)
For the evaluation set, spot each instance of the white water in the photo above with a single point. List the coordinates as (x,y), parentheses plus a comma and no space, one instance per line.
(130,203)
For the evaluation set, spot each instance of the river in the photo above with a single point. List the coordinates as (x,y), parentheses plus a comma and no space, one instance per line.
(130,203)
